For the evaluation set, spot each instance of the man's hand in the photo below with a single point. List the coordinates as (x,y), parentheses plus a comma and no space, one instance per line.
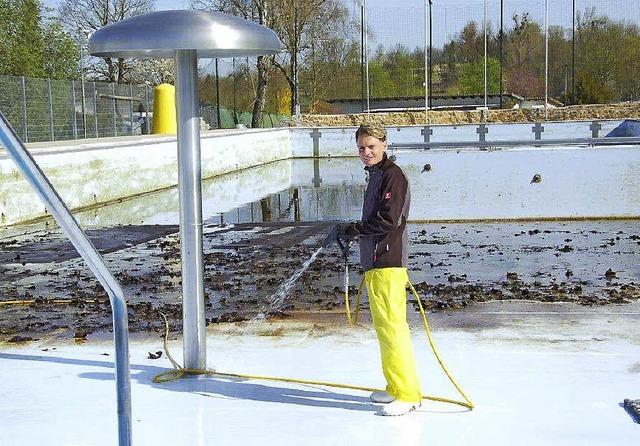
(333,236)
(342,235)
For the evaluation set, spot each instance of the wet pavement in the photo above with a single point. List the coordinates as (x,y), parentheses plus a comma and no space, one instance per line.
(45,288)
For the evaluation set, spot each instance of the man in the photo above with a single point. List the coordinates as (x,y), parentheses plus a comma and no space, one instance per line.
(383,237)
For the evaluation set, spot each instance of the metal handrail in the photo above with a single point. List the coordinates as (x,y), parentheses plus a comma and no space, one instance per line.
(34,175)
(515,143)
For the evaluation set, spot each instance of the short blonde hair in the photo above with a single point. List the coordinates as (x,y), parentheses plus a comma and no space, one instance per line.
(374,130)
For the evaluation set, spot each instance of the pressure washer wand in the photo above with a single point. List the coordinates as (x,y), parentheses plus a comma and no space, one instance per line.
(345,245)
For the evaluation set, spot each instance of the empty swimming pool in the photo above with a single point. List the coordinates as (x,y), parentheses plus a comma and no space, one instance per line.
(261,223)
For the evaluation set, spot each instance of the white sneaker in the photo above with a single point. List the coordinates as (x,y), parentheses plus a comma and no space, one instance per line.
(397,408)
(382,397)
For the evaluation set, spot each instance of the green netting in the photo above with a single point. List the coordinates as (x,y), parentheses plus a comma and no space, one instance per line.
(226,119)
(245,118)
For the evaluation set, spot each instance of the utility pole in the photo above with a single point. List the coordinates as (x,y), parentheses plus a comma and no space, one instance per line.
(546,58)
(486,86)
(426,65)
(362,56)
(573,65)
(501,49)
(294,62)
(430,56)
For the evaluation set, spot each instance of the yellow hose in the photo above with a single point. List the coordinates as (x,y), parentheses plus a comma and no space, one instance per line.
(467,402)
(46,301)
(178,372)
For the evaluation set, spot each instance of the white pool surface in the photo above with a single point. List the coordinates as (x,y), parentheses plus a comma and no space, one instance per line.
(550,374)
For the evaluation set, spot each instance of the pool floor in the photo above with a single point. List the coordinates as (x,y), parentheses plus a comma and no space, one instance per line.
(537,373)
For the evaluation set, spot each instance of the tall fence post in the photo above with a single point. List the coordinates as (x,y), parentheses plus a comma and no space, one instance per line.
(146,109)
(51,129)
(113,95)
(84,108)
(74,121)
(25,128)
(95,110)
(131,108)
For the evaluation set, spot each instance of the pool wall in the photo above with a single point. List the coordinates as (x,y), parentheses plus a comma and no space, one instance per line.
(89,173)
(462,184)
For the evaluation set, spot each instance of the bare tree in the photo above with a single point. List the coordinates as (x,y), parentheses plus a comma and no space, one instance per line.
(260,11)
(86,16)
(316,35)
(312,31)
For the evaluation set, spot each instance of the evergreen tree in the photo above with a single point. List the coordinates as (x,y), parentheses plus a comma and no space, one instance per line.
(32,45)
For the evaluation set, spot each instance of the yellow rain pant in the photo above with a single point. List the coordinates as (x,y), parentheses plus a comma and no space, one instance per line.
(388,301)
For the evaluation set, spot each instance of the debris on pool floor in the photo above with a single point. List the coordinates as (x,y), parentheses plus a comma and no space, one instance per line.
(45,286)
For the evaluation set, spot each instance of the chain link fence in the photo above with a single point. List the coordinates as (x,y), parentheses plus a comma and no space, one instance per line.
(575,52)
(51,110)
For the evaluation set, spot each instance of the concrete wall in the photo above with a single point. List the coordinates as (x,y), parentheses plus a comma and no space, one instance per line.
(340,141)
(599,182)
(462,184)
(90,172)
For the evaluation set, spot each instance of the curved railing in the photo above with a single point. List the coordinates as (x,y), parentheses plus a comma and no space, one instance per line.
(94,260)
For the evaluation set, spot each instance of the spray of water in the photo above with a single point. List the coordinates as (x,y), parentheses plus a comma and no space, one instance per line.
(278,299)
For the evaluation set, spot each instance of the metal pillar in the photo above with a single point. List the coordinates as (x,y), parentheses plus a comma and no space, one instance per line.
(486,81)
(366,56)
(573,53)
(362,57)
(184,36)
(190,191)
(501,51)
(546,59)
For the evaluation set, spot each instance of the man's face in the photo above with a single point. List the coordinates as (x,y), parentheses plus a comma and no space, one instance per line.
(370,149)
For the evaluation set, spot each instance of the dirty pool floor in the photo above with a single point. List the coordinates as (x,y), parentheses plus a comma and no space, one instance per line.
(46,288)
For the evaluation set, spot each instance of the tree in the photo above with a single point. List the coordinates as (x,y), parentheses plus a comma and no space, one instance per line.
(406,69)
(21,41)
(449,64)
(524,44)
(381,84)
(627,73)
(524,82)
(334,71)
(324,52)
(33,45)
(62,52)
(313,49)
(604,52)
(86,16)
(471,43)
(152,71)
(560,60)
(262,12)
(472,77)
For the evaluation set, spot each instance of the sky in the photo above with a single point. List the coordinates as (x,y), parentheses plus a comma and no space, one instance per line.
(402,21)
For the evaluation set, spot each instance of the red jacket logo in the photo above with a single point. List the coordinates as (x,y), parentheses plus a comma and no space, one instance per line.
(387,195)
